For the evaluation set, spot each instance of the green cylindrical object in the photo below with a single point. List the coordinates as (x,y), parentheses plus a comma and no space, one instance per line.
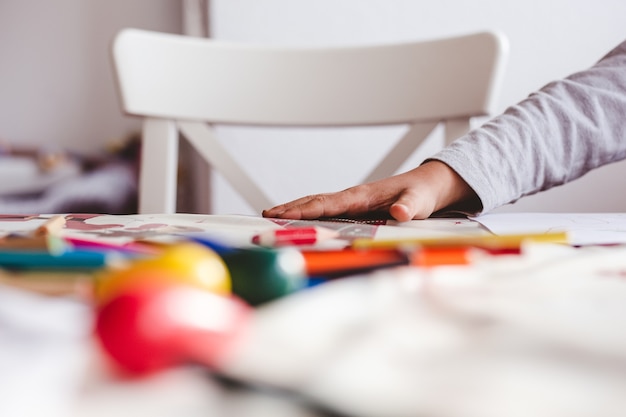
(259,275)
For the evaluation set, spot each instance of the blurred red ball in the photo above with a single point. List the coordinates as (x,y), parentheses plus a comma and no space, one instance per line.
(155,325)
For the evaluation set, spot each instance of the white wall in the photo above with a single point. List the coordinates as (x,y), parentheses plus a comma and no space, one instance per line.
(548,38)
(56,83)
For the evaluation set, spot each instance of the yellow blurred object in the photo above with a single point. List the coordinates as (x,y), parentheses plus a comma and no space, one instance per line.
(186,263)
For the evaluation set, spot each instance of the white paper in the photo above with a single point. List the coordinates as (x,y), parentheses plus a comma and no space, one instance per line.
(582,228)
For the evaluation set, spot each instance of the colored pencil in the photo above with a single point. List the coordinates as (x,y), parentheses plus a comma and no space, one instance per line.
(51,227)
(73,259)
(484,241)
(350,261)
(130,248)
(294,236)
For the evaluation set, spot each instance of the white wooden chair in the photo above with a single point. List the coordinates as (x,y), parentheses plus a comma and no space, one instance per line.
(186,84)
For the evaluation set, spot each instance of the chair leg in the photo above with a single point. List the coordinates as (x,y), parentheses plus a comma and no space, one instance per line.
(158,168)
(455,128)
(204,141)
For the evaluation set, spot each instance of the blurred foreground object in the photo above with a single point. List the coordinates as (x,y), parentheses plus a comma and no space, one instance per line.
(153,326)
(515,336)
(184,263)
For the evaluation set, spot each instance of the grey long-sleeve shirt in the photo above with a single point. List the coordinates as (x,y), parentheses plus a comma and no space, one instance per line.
(556,135)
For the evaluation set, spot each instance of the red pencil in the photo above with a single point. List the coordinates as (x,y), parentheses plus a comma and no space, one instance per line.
(294,236)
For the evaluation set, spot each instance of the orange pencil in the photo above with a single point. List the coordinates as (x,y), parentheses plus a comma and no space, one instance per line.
(431,257)
(349,261)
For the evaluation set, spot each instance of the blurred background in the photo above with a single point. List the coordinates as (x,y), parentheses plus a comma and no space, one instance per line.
(66,146)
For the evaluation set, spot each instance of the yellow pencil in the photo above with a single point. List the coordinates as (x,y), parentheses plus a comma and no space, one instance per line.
(487,241)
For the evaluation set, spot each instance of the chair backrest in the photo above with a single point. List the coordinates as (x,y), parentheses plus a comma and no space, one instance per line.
(181,83)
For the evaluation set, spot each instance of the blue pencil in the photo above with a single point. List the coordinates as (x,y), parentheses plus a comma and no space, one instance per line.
(73,259)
